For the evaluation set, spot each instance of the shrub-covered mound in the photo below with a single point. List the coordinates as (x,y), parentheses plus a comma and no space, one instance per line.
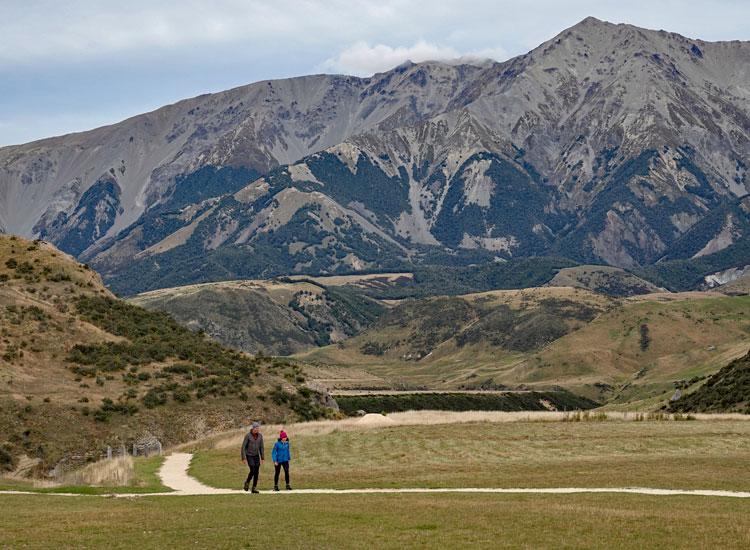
(81,370)
(726,391)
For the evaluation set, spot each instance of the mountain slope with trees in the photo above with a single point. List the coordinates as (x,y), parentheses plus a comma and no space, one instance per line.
(606,144)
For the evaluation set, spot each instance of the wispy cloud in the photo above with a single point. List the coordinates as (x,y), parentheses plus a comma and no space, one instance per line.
(362,59)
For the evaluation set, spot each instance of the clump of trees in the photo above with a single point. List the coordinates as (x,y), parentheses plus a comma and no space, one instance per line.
(645,338)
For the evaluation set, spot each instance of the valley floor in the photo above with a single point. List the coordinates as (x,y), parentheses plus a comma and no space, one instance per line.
(519,461)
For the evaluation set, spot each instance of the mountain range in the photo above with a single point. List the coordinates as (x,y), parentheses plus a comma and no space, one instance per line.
(608,144)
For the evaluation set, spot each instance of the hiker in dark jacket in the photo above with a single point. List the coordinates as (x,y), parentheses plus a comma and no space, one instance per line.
(252,453)
(281,455)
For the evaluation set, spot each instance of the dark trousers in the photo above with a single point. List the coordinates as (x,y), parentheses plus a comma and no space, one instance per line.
(277,471)
(253,462)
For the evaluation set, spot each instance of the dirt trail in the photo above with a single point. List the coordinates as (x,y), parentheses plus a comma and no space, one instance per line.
(174,474)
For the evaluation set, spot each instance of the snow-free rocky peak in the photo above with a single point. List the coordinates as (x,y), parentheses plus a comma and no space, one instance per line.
(608,143)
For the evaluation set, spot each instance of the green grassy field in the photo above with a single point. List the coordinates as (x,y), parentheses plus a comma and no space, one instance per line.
(663,454)
(700,454)
(376,521)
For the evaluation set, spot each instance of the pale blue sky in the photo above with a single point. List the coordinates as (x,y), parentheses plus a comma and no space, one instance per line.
(76,64)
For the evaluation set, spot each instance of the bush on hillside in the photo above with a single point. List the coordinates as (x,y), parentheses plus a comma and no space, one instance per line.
(154,337)
(726,391)
(7,461)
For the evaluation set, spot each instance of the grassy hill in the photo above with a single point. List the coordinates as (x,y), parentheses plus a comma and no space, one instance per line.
(629,352)
(726,391)
(457,341)
(270,317)
(292,314)
(80,369)
(447,280)
(597,331)
(637,353)
(611,281)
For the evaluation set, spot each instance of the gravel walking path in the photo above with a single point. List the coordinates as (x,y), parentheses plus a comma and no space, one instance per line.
(174,474)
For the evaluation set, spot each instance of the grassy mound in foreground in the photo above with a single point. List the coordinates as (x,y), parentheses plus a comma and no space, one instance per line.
(143,478)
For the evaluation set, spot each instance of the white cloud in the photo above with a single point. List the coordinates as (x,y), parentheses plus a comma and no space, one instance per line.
(361,59)
(497,53)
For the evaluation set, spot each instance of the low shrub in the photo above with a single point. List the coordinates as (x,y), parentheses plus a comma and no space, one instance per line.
(181,395)
(7,460)
(154,398)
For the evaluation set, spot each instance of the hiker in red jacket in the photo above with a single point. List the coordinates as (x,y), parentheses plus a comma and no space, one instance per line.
(281,455)
(252,453)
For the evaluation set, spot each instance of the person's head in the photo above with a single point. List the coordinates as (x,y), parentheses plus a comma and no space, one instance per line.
(255,428)
(283,436)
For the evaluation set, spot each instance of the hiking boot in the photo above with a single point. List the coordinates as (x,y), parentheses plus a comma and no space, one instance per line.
(276,488)
(255,491)
(288,487)
(246,486)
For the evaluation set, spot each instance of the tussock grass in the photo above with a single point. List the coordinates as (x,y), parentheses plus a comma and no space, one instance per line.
(584,416)
(233,438)
(118,475)
(115,472)
(409,418)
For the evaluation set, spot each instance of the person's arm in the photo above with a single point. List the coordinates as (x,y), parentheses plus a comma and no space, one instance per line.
(274,453)
(242,450)
(262,453)
(290,450)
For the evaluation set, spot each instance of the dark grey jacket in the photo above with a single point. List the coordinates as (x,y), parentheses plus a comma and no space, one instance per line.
(252,446)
